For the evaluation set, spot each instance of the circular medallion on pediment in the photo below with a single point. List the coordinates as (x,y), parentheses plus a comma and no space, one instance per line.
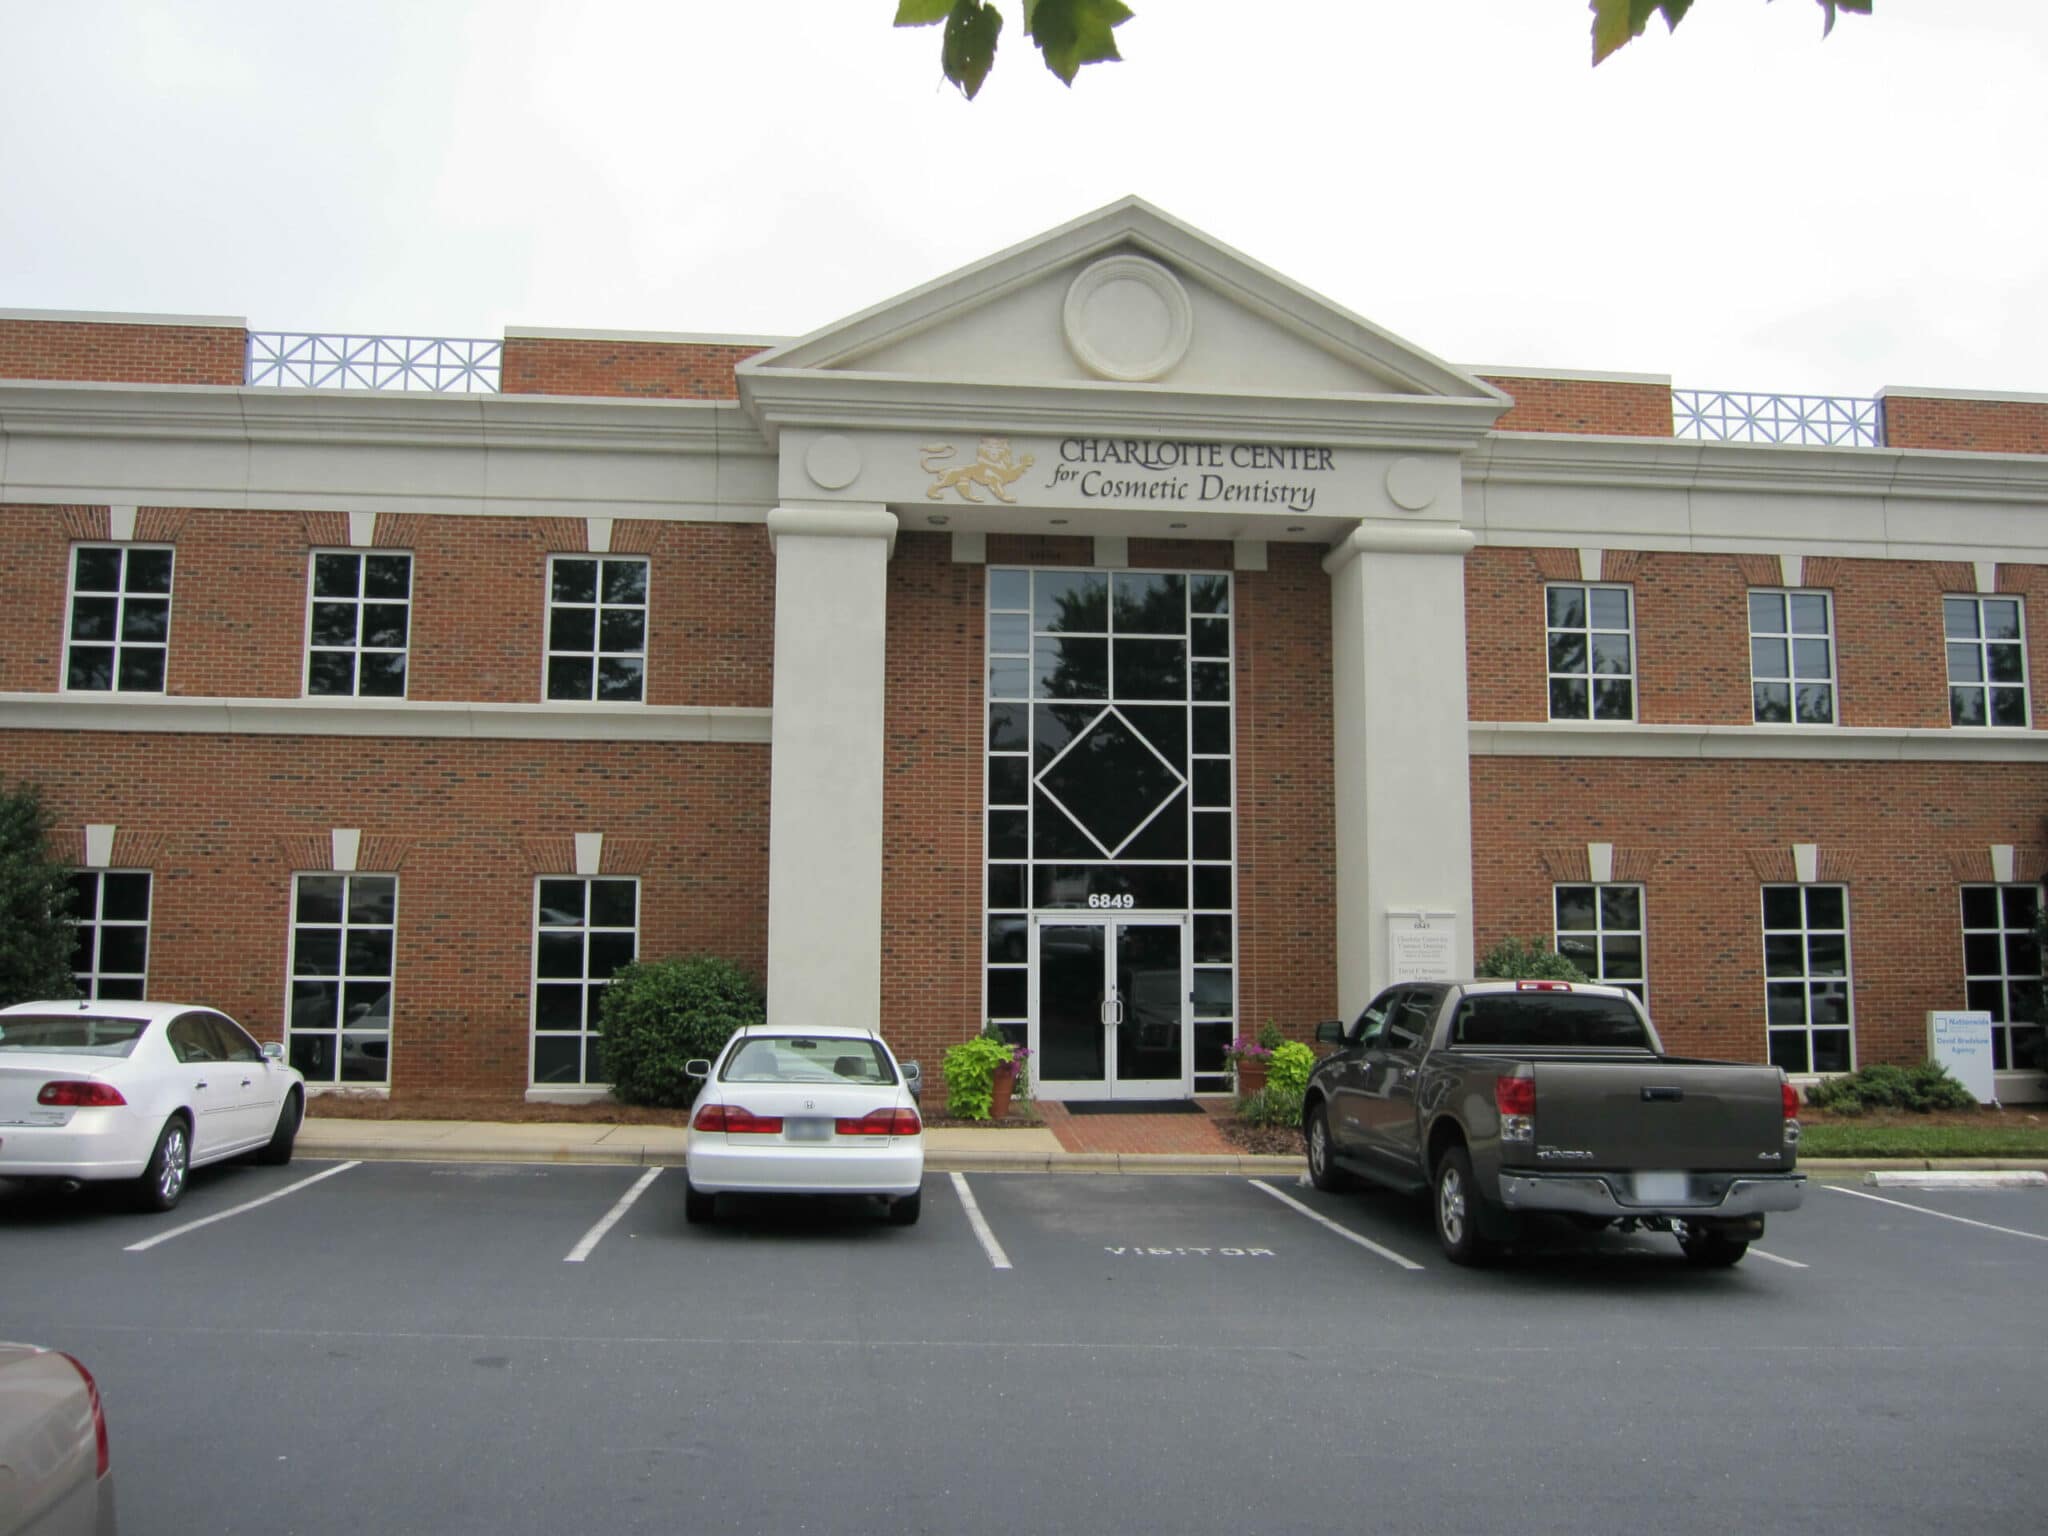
(1128,319)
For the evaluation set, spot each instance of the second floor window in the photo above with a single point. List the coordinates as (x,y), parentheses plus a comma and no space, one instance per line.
(1987,660)
(597,629)
(120,633)
(1792,658)
(358,625)
(1592,654)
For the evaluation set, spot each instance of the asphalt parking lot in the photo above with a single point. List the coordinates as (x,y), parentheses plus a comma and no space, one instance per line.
(401,1347)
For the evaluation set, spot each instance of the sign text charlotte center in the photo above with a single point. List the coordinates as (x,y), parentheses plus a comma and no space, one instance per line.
(1136,470)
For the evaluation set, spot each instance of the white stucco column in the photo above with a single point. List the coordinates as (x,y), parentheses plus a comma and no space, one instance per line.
(1403,772)
(825,778)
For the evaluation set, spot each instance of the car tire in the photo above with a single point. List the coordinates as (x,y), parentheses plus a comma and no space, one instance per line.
(162,1184)
(1705,1249)
(277,1151)
(1322,1168)
(1459,1209)
(905,1209)
(698,1207)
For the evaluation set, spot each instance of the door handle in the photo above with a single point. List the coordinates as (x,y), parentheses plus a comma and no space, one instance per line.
(200,1084)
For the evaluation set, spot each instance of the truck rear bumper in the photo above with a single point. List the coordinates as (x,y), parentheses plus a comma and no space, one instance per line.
(1612,1194)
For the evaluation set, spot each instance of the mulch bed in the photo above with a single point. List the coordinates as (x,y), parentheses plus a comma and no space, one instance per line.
(346,1106)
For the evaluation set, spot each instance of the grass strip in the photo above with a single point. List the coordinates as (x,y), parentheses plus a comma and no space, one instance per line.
(1839,1138)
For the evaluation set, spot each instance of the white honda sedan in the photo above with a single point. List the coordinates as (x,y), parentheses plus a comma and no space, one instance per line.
(144,1092)
(814,1112)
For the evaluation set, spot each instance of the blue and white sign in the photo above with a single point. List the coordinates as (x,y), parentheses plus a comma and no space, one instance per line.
(1961,1042)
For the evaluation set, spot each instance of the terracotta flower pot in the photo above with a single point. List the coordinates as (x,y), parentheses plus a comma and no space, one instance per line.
(1001,1086)
(1251,1076)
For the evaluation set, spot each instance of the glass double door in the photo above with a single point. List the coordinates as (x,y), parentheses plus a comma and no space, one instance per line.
(1110,1008)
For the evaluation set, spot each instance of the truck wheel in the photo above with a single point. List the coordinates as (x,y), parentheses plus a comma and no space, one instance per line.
(1458,1206)
(1704,1249)
(1322,1172)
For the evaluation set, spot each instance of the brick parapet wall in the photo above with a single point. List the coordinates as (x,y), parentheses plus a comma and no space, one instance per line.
(1604,407)
(1969,426)
(678,370)
(102,352)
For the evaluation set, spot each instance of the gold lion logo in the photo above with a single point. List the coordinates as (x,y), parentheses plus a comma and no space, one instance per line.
(994,468)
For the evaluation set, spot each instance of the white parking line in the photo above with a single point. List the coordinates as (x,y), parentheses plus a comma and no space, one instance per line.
(1944,1215)
(581,1251)
(250,1205)
(1758,1253)
(1344,1232)
(996,1257)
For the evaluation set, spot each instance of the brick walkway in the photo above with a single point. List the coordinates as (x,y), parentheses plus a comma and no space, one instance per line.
(1187,1134)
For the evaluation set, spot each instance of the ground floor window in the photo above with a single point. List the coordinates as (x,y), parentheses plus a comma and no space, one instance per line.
(2002,970)
(344,949)
(1600,930)
(1807,1004)
(110,932)
(584,930)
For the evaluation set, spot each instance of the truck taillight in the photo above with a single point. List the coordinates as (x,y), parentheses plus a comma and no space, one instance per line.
(1515,1098)
(1790,1097)
(734,1121)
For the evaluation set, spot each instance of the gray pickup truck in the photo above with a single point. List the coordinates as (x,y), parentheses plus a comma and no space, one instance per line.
(1506,1099)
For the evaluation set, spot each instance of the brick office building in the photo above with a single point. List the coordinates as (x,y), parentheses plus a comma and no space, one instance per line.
(1111,639)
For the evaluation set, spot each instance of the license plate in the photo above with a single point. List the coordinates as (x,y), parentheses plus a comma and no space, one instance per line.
(1662,1187)
(807,1129)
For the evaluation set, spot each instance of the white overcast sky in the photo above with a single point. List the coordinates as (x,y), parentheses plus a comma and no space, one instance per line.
(1738,205)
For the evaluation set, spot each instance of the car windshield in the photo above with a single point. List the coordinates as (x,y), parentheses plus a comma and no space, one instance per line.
(1538,1019)
(74,1033)
(808,1059)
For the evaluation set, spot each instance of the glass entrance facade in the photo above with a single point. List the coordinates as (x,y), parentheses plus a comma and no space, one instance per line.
(1109,792)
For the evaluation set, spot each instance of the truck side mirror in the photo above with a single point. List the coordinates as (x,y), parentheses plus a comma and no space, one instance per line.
(1330,1032)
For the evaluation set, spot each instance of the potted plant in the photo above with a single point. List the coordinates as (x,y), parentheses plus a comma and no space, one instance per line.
(1252,1056)
(981,1075)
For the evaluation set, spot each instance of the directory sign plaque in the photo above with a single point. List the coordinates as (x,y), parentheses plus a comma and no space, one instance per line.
(1421,946)
(1961,1042)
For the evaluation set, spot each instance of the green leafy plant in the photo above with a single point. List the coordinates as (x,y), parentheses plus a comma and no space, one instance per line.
(35,904)
(970,1070)
(1289,1069)
(1921,1088)
(1069,33)
(1274,1104)
(1516,959)
(656,1015)
(1270,1036)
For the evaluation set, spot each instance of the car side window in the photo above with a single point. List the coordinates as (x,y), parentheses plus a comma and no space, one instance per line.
(237,1044)
(1408,1025)
(1369,1032)
(191,1038)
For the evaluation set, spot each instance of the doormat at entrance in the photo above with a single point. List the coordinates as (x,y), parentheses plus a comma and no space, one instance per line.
(1135,1107)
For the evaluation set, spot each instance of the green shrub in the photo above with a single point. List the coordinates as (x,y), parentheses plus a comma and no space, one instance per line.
(970,1069)
(1922,1088)
(658,1014)
(1273,1104)
(1289,1069)
(35,903)
(1515,959)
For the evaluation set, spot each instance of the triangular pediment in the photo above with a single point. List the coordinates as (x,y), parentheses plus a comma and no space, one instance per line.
(1126,300)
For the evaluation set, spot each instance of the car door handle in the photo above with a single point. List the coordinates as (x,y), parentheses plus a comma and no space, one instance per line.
(200,1084)
(1663,1095)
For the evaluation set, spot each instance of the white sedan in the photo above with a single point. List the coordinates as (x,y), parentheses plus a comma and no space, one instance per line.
(138,1091)
(815,1112)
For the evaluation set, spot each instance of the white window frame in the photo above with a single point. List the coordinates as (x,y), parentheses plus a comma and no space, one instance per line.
(356,649)
(597,609)
(1791,637)
(342,978)
(591,987)
(1808,978)
(1590,632)
(1978,643)
(1975,982)
(121,595)
(1602,931)
(91,978)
